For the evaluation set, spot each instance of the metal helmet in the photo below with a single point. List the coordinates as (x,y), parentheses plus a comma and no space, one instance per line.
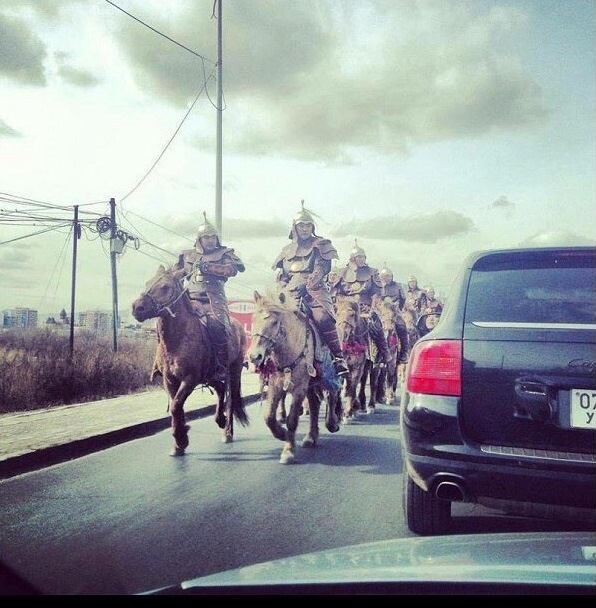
(356,251)
(303,216)
(386,271)
(412,278)
(206,229)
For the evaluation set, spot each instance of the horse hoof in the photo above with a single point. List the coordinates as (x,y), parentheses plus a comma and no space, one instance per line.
(287,458)
(309,442)
(177,452)
(370,410)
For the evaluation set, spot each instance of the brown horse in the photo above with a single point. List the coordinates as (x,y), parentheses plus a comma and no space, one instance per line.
(283,342)
(353,336)
(410,318)
(372,370)
(387,382)
(396,334)
(184,355)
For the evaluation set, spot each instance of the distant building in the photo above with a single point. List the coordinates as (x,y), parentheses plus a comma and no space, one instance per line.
(95,321)
(24,318)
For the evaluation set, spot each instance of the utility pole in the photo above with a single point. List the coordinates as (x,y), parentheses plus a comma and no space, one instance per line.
(218,162)
(113,254)
(76,235)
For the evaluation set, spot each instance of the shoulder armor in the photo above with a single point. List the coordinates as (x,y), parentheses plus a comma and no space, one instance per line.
(289,251)
(326,248)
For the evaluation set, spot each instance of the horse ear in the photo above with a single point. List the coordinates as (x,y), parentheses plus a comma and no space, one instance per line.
(257,296)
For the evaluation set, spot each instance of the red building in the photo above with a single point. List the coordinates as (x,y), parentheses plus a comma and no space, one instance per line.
(242,310)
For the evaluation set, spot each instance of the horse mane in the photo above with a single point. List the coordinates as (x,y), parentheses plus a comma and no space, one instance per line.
(341,304)
(409,317)
(278,301)
(177,273)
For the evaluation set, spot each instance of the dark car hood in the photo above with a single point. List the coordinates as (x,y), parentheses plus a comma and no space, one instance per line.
(524,562)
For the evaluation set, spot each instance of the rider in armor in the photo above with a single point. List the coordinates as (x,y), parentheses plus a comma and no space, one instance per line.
(302,267)
(415,297)
(433,304)
(359,282)
(393,292)
(390,288)
(208,266)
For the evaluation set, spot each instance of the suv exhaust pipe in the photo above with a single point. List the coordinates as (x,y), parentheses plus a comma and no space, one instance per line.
(450,490)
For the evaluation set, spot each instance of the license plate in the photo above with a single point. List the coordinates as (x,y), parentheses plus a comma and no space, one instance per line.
(583,409)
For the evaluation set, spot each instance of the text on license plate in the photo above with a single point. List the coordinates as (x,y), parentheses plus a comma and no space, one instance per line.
(583,409)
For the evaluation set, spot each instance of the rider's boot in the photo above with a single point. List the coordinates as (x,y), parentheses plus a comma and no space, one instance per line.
(329,335)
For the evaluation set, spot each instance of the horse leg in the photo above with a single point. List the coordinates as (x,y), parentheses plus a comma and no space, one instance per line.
(401,373)
(362,387)
(349,397)
(274,396)
(223,413)
(282,414)
(334,408)
(381,386)
(288,452)
(391,374)
(237,406)
(374,378)
(314,405)
(178,419)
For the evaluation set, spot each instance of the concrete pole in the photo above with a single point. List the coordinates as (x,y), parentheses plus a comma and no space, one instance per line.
(218,170)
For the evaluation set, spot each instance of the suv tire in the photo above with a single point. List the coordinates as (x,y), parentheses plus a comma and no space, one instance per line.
(425,514)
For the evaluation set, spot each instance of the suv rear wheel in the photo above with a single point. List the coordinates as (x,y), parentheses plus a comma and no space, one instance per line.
(425,514)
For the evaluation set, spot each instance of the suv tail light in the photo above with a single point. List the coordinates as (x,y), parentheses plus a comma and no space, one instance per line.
(435,368)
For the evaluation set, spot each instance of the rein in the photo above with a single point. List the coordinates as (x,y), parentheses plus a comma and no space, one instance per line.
(273,342)
(168,305)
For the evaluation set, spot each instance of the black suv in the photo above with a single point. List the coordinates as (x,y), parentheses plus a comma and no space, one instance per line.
(499,403)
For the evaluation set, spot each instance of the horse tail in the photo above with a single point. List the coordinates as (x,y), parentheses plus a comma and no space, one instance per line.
(239,411)
(238,404)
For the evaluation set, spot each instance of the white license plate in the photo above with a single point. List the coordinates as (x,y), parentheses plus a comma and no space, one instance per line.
(583,409)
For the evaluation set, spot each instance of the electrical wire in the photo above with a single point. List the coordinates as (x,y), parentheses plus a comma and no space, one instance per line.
(169,142)
(160,33)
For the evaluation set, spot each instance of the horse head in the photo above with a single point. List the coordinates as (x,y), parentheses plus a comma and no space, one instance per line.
(161,294)
(389,315)
(275,326)
(347,315)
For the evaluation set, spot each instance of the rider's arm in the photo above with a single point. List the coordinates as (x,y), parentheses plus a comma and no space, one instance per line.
(321,268)
(226,267)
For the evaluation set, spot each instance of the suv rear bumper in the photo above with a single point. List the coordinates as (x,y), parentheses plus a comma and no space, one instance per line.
(470,479)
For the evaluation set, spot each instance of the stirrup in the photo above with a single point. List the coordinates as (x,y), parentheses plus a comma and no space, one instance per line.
(340,367)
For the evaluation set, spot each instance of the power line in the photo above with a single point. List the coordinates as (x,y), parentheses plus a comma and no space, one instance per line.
(170,140)
(160,33)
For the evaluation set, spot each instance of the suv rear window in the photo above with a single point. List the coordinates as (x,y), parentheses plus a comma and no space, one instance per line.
(533,287)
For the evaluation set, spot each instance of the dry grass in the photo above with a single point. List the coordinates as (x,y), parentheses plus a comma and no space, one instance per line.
(38,371)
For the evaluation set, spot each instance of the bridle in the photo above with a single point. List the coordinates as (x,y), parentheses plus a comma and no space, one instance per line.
(272,341)
(159,308)
(353,325)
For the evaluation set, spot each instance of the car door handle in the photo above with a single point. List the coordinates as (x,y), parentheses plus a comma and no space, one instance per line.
(531,401)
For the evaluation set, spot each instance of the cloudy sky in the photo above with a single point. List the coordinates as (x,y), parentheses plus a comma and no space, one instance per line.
(425,129)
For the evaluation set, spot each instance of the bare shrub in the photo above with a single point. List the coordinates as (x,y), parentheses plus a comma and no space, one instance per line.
(37,369)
